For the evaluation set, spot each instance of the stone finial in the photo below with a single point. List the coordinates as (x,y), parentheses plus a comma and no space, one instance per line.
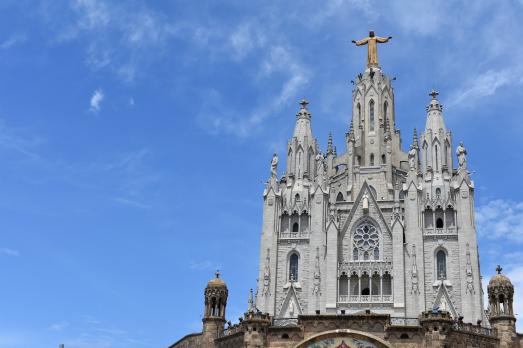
(434,94)
(330,149)
(251,301)
(415,139)
(304,103)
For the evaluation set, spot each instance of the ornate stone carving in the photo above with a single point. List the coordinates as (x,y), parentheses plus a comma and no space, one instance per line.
(470,286)
(412,157)
(316,290)
(274,165)
(461,152)
(414,273)
(267,275)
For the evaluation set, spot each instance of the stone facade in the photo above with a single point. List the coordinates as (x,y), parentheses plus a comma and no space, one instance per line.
(372,247)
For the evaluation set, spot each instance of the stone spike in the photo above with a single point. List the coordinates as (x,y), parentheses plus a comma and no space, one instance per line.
(415,138)
(329,144)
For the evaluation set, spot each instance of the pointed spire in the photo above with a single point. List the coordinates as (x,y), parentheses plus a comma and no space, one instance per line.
(330,149)
(304,111)
(415,139)
(435,121)
(335,151)
(350,134)
(251,301)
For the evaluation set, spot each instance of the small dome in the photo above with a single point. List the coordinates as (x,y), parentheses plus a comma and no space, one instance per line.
(217,282)
(500,280)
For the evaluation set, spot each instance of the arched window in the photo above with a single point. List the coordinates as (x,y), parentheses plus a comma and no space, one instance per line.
(441,261)
(344,285)
(383,159)
(366,242)
(339,197)
(385,107)
(359,113)
(354,285)
(375,284)
(387,284)
(371,159)
(295,227)
(365,284)
(293,267)
(438,193)
(436,151)
(297,198)
(439,223)
(371,115)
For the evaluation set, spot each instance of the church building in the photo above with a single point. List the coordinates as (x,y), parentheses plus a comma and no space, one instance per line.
(373,247)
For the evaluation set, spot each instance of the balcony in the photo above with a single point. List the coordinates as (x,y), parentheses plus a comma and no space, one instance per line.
(432,231)
(295,235)
(365,299)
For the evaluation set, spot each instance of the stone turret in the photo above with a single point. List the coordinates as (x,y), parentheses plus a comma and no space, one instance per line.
(436,148)
(214,314)
(301,148)
(500,295)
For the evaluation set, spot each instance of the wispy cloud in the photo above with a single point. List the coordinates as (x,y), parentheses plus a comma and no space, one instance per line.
(280,63)
(13,40)
(204,265)
(13,139)
(96,100)
(500,219)
(131,203)
(9,252)
(58,326)
(485,85)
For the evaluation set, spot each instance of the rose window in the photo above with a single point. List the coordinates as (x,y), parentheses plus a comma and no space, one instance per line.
(366,238)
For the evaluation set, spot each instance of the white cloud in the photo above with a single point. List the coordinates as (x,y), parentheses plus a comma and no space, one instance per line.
(500,219)
(246,38)
(279,63)
(485,85)
(9,252)
(204,265)
(96,100)
(131,203)
(13,40)
(58,326)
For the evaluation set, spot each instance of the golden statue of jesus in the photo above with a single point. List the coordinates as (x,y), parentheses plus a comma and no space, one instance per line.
(372,49)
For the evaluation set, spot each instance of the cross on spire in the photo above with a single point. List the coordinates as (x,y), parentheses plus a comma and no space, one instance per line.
(217,273)
(433,93)
(499,269)
(304,103)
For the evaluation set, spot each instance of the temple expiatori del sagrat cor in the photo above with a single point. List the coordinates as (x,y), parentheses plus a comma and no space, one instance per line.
(375,247)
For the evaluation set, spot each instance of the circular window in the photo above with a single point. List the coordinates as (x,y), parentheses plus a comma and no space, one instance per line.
(366,238)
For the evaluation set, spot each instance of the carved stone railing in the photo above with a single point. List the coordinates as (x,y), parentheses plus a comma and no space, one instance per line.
(365,298)
(364,266)
(231,330)
(281,322)
(475,329)
(404,321)
(431,231)
(294,235)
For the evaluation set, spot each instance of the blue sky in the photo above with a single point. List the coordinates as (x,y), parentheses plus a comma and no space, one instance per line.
(135,138)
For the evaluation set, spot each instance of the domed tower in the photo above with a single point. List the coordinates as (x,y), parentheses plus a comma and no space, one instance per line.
(214,315)
(500,294)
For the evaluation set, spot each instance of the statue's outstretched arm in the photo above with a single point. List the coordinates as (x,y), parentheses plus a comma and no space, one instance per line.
(361,42)
(383,39)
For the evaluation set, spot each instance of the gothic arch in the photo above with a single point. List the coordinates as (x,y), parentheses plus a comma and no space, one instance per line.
(437,253)
(290,259)
(347,334)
